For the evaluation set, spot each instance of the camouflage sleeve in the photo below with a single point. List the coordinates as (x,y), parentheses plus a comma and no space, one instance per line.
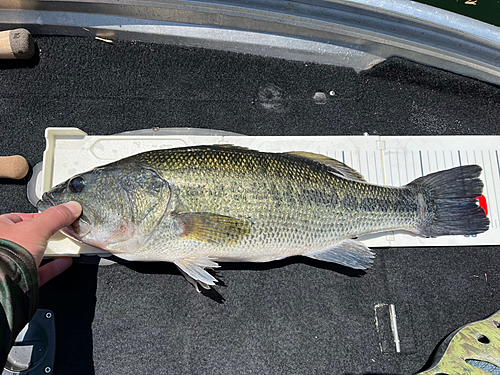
(18,293)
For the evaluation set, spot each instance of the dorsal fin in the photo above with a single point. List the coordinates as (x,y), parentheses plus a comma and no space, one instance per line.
(231,146)
(335,165)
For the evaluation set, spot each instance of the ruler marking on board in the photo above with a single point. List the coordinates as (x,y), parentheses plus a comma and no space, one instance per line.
(359,161)
(413,162)
(390,166)
(421,165)
(399,169)
(406,167)
(367,167)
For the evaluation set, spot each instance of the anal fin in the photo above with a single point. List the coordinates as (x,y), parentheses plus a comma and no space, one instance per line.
(194,271)
(350,253)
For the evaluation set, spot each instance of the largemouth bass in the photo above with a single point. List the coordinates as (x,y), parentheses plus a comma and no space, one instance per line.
(196,206)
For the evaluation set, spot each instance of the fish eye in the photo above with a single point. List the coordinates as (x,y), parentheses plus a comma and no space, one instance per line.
(76,184)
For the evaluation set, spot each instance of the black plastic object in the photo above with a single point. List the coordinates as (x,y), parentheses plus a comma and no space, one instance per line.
(34,349)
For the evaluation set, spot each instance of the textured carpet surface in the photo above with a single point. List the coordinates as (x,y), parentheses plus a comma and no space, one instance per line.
(295,316)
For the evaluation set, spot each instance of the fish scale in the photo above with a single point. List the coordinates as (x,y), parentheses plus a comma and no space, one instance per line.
(197,205)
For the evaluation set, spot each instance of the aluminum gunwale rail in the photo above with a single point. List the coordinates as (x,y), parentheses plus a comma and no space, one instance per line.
(356,33)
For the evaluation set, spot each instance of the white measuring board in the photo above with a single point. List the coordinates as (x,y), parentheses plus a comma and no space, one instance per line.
(394,160)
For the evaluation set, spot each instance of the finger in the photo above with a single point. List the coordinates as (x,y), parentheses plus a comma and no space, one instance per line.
(15,218)
(55,218)
(52,269)
(24,217)
(11,218)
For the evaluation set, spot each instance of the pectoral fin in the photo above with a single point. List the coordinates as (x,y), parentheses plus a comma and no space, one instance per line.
(194,271)
(349,253)
(211,228)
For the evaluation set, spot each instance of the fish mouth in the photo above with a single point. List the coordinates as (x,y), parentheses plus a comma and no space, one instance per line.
(77,230)
(45,203)
(81,227)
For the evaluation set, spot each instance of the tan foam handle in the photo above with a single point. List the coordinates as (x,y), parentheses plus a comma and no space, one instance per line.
(16,44)
(5,48)
(15,167)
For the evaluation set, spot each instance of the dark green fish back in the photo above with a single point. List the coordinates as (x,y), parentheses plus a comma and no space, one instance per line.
(237,160)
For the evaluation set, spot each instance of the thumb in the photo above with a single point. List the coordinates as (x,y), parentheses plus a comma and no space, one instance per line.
(56,217)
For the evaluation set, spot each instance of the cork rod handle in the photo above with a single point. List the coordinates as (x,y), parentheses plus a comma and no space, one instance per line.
(15,167)
(16,44)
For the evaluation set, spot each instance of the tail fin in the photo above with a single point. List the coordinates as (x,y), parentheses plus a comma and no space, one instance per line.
(451,203)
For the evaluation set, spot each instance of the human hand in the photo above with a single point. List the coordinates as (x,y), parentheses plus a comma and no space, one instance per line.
(32,231)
